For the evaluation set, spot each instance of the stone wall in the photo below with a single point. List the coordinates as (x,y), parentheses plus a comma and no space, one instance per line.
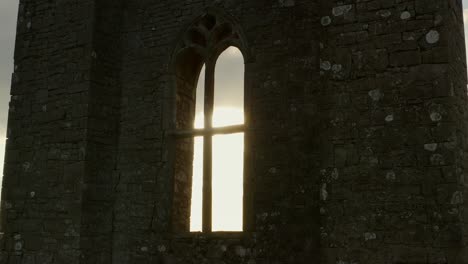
(355,141)
(395,185)
(46,146)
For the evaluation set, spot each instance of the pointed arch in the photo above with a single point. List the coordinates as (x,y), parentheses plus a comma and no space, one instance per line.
(210,34)
(200,44)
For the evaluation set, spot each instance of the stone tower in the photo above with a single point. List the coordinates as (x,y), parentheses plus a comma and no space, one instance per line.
(356,136)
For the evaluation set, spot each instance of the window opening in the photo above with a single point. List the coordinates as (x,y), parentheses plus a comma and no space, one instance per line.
(218,146)
(196,207)
(228,150)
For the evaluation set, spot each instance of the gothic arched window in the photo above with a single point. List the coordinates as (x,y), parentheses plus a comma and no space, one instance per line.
(209,129)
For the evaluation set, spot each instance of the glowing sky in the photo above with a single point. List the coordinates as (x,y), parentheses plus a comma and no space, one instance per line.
(227,149)
(8,14)
(465,13)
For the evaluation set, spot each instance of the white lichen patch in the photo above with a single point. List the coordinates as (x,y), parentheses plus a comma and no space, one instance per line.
(326,20)
(325,65)
(18,246)
(324,234)
(323,211)
(337,68)
(335,174)
(341,10)
(390,176)
(376,95)
(438,20)
(389,118)
(436,117)
(373,161)
(162,248)
(323,192)
(263,216)
(8,205)
(437,159)
(432,36)
(26,166)
(409,36)
(384,13)
(457,198)
(430,147)
(370,236)
(405,15)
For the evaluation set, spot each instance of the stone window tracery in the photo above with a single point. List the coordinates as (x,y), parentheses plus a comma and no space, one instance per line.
(202,45)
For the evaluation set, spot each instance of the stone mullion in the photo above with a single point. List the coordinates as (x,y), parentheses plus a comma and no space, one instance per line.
(207,148)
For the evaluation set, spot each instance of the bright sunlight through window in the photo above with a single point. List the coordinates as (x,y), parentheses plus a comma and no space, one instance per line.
(228,150)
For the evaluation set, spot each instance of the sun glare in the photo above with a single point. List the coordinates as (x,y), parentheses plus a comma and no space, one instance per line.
(228,153)
(227,150)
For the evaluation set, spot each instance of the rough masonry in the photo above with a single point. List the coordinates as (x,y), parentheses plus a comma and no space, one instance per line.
(356,133)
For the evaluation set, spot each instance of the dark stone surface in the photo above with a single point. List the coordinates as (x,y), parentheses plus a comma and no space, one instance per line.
(355,143)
